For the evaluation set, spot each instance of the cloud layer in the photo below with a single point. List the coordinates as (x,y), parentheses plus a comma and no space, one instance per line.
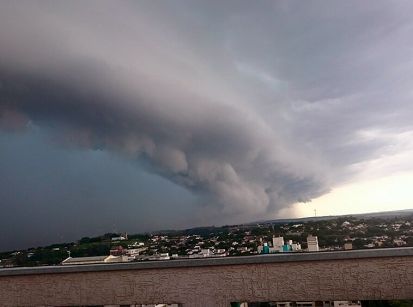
(253,108)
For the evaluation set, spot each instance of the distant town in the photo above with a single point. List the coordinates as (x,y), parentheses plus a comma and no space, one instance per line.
(283,236)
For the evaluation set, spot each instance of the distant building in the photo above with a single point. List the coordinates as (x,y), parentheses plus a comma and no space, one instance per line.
(295,247)
(348,245)
(92,260)
(162,256)
(399,242)
(136,244)
(132,252)
(6,263)
(242,249)
(118,251)
(279,246)
(206,252)
(265,249)
(220,251)
(120,238)
(286,248)
(312,243)
(277,243)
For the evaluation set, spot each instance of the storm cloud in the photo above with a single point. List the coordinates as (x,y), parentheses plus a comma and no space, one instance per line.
(253,107)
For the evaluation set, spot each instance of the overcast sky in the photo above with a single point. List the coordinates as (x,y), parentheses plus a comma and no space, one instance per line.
(143,115)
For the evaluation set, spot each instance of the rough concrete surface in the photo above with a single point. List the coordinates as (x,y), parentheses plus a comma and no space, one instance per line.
(216,283)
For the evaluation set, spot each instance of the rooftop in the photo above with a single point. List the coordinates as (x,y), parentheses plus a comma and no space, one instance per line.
(258,259)
(84,259)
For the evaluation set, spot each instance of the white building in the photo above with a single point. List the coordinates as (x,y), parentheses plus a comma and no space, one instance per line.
(133,252)
(161,256)
(277,243)
(348,245)
(93,260)
(205,252)
(295,247)
(120,238)
(312,243)
(136,244)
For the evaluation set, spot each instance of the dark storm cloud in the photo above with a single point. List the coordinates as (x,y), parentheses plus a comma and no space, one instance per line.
(252,107)
(51,194)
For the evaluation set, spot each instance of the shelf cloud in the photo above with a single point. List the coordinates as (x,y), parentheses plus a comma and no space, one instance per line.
(251,108)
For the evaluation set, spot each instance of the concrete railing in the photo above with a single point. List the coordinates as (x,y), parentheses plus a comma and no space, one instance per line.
(344,275)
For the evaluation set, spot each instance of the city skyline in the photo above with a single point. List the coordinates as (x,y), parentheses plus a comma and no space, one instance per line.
(146,115)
